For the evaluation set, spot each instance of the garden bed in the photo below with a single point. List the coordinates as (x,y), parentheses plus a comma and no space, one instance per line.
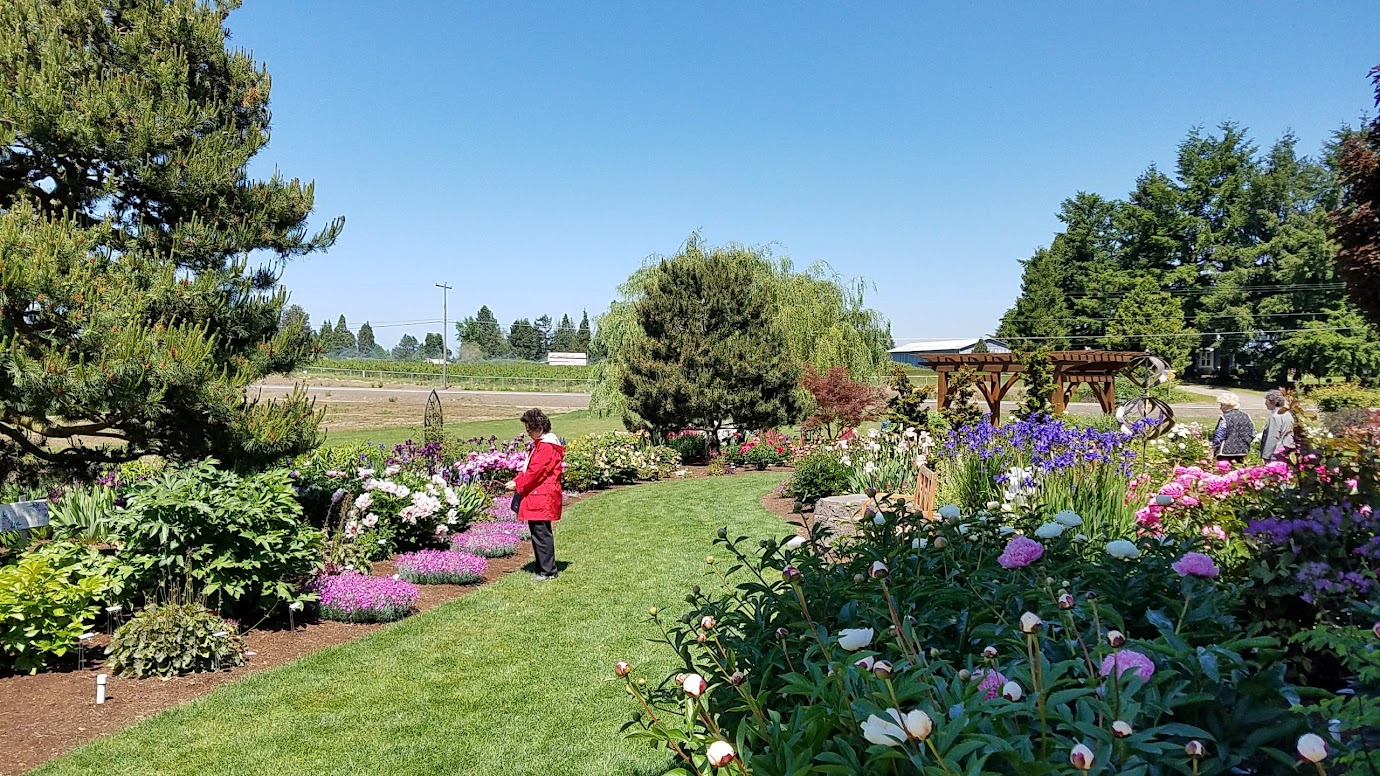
(49,714)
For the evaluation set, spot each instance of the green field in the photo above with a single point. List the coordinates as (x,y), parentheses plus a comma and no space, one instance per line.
(513,679)
(470,368)
(568,425)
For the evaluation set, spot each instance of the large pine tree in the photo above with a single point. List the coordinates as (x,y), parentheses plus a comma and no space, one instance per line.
(1357,220)
(139,262)
(1040,316)
(711,353)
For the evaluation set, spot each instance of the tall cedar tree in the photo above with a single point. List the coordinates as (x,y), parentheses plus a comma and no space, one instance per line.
(1356,224)
(906,405)
(368,346)
(524,341)
(582,335)
(711,354)
(407,349)
(1041,315)
(1039,383)
(963,410)
(129,313)
(840,401)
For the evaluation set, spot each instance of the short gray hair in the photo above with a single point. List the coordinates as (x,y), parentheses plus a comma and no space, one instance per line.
(1274,398)
(1229,399)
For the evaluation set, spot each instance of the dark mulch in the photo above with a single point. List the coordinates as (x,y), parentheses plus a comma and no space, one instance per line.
(49,714)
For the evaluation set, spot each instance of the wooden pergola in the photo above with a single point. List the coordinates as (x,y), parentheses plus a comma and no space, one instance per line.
(998,372)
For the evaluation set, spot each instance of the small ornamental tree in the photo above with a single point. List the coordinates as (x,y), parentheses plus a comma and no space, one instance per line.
(840,401)
(962,411)
(1039,384)
(711,354)
(139,261)
(1356,224)
(906,405)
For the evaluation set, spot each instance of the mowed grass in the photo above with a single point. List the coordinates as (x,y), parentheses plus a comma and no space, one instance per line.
(566,424)
(515,678)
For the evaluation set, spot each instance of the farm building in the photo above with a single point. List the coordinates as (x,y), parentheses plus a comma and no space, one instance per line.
(905,354)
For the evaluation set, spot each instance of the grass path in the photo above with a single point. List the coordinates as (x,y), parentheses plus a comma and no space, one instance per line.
(515,678)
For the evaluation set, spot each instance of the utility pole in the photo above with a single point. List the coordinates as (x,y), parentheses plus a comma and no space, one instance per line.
(445,350)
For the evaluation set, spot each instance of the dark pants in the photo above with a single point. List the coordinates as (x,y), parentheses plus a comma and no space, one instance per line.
(544,546)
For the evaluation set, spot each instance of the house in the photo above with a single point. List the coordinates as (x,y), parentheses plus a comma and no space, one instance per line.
(567,359)
(905,354)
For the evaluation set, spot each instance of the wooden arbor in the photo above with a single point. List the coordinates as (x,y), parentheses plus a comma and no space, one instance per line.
(998,372)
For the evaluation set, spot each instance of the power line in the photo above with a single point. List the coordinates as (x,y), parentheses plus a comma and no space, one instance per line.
(1148,334)
(1298,288)
(1195,317)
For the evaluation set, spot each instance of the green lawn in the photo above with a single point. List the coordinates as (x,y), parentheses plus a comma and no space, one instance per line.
(566,424)
(515,678)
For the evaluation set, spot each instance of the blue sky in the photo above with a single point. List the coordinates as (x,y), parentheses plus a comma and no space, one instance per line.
(533,154)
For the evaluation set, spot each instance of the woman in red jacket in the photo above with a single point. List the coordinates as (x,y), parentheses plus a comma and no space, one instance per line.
(538,490)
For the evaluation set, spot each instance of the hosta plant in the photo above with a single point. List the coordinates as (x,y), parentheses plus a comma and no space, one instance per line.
(171,639)
(48,599)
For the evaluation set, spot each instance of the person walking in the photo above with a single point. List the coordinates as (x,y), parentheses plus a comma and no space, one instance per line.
(538,495)
(1235,432)
(1278,437)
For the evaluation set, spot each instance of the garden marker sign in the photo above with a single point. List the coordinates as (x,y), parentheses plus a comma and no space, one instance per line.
(23,515)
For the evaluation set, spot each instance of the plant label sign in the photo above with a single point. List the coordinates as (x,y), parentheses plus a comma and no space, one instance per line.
(23,515)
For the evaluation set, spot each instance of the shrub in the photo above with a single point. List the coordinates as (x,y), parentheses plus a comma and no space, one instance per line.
(171,639)
(601,460)
(717,467)
(840,402)
(48,599)
(1346,396)
(692,446)
(441,567)
(240,541)
(356,597)
(818,475)
(760,457)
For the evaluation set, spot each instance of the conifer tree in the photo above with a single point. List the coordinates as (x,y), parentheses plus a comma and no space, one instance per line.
(345,343)
(582,337)
(407,349)
(368,346)
(906,405)
(1357,221)
(1040,315)
(710,353)
(564,339)
(1038,380)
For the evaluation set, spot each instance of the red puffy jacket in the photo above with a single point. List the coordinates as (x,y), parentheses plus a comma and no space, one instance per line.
(540,485)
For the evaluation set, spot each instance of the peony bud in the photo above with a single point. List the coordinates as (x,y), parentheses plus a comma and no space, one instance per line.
(791,574)
(940,543)
(709,559)
(701,639)
(720,753)
(1031,622)
(737,679)
(652,611)
(707,622)
(964,675)
(882,669)
(1065,601)
(878,570)
(989,652)
(723,533)
(694,685)
(621,668)
(871,492)
(866,663)
(1081,757)
(1115,638)
(1312,748)
(1195,749)
(1012,691)
(917,724)
(1121,729)
(859,578)
(1376,630)
(782,633)
(641,682)
(934,653)
(694,589)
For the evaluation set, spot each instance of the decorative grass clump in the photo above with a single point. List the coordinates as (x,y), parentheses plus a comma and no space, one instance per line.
(356,597)
(441,567)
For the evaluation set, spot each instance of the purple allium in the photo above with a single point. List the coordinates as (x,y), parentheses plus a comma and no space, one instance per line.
(1195,564)
(990,683)
(1124,660)
(356,597)
(489,544)
(1020,552)
(441,567)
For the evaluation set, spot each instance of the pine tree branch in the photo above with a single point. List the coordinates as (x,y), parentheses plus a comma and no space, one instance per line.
(43,429)
(64,455)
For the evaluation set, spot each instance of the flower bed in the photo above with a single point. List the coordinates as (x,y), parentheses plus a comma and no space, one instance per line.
(356,597)
(488,544)
(441,567)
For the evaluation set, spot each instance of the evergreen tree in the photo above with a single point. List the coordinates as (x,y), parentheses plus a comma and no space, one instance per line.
(1150,320)
(545,333)
(1040,316)
(325,338)
(131,314)
(582,336)
(906,406)
(963,410)
(710,351)
(981,347)
(345,344)
(431,346)
(487,334)
(368,347)
(1038,380)
(1357,219)
(564,339)
(295,319)
(524,341)
(406,349)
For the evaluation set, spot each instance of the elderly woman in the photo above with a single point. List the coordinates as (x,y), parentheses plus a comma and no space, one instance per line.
(1235,432)
(538,490)
(1278,437)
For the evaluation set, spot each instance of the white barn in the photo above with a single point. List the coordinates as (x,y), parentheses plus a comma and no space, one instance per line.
(905,354)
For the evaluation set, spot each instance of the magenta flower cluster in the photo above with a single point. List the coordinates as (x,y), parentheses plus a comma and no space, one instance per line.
(489,544)
(1020,552)
(990,683)
(1192,485)
(1124,660)
(441,567)
(356,597)
(1195,564)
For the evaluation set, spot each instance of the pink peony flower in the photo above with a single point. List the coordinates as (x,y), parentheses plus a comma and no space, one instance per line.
(1224,466)
(1124,660)
(1195,564)
(1215,532)
(1189,501)
(990,683)
(1020,552)
(1172,489)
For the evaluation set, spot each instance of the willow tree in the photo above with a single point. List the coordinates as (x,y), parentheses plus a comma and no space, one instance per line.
(139,263)
(823,319)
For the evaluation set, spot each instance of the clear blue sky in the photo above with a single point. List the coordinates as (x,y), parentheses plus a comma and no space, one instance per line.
(532,154)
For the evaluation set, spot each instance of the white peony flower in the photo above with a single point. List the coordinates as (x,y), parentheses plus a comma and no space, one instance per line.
(1068,518)
(854,639)
(1049,530)
(1122,549)
(949,512)
(883,732)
